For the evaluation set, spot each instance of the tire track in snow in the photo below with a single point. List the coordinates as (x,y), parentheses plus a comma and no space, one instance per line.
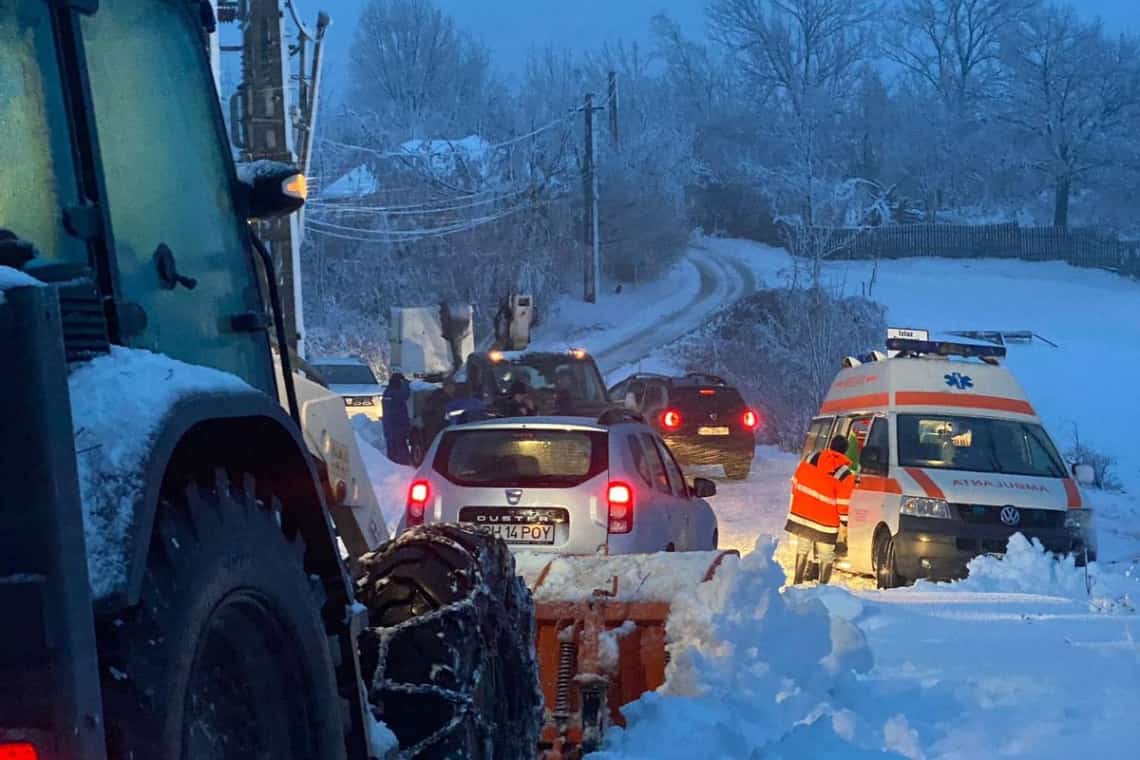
(723,281)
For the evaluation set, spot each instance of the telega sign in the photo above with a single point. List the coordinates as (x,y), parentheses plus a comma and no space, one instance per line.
(907,333)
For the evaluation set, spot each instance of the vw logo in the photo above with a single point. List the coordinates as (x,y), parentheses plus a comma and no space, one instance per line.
(714,416)
(514,495)
(1010,515)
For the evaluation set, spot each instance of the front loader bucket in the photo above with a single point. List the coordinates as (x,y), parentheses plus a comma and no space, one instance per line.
(600,635)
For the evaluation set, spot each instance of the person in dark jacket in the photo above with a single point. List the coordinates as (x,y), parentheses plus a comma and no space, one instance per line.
(520,404)
(397,423)
(435,410)
(564,392)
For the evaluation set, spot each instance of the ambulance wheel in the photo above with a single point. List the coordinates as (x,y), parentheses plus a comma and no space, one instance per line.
(448,656)
(738,470)
(884,561)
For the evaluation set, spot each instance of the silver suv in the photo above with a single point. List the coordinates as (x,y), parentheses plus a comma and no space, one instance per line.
(564,484)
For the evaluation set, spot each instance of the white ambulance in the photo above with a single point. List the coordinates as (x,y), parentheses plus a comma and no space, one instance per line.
(951,460)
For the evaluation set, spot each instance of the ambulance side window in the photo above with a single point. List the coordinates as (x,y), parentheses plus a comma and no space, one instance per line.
(817,436)
(878,441)
(856,432)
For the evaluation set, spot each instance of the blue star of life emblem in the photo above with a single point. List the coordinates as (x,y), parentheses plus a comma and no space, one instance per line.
(958,380)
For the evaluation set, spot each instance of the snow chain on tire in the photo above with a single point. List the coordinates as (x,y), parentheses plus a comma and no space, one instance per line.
(448,657)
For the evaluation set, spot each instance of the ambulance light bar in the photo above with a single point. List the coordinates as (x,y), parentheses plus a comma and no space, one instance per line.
(945,348)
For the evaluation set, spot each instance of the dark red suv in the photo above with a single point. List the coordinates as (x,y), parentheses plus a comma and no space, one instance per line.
(703,419)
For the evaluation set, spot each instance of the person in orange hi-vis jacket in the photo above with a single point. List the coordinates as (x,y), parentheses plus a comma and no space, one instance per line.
(821,491)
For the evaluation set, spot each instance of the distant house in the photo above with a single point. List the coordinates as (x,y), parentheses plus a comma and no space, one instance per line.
(358,183)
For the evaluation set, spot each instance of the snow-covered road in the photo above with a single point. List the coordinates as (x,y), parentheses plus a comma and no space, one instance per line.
(624,328)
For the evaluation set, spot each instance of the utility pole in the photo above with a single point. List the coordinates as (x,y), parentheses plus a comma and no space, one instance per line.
(591,206)
(613,106)
(269,121)
(593,262)
(265,108)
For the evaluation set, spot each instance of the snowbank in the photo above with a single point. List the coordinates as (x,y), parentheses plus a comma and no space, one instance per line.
(389,480)
(118,406)
(1026,568)
(752,672)
(14,278)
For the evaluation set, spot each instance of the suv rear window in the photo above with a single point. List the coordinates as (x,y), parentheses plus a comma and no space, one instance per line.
(534,458)
(346,374)
(696,398)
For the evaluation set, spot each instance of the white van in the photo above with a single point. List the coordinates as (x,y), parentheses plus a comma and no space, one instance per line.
(951,460)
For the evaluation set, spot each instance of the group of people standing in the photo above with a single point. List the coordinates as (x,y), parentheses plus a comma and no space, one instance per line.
(448,404)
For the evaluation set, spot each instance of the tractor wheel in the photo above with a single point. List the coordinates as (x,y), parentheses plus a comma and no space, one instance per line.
(225,657)
(449,652)
(738,470)
(886,568)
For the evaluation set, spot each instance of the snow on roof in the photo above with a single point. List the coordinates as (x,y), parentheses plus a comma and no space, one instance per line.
(357,183)
(118,404)
(337,361)
(14,278)
(445,156)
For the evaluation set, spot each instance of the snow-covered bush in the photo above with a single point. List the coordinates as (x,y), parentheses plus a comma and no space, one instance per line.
(751,670)
(1102,464)
(783,347)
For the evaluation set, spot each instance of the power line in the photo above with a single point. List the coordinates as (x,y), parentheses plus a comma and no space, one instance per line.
(406,154)
(364,235)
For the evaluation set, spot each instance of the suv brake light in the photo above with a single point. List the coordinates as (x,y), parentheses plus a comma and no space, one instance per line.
(620,499)
(418,494)
(751,420)
(671,419)
(18,751)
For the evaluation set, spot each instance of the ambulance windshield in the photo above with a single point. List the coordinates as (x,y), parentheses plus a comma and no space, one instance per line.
(977,444)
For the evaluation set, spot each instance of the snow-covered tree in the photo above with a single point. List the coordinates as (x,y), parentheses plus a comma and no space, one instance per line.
(414,73)
(1074,95)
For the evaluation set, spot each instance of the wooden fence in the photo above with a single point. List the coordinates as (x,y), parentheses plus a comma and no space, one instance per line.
(1080,247)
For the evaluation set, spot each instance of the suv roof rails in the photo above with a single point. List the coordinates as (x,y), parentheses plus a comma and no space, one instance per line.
(619,414)
(704,378)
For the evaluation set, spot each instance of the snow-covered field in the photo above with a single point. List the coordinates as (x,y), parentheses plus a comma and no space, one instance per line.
(1020,660)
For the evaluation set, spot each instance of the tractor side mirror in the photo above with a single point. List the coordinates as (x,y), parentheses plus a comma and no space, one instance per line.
(270,189)
(873,461)
(1084,474)
(703,488)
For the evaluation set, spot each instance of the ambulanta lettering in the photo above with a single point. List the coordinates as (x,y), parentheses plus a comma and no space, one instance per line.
(1010,484)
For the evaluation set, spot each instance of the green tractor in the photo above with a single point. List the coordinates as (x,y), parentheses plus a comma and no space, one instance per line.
(171,568)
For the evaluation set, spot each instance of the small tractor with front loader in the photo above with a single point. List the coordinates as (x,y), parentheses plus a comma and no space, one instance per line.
(177,498)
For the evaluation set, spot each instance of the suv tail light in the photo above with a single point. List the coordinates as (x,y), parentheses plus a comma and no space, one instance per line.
(418,494)
(620,499)
(18,751)
(750,420)
(671,419)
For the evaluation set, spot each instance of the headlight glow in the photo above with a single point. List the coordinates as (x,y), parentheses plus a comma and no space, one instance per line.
(921,506)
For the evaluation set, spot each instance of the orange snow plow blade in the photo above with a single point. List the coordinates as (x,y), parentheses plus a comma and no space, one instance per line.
(600,636)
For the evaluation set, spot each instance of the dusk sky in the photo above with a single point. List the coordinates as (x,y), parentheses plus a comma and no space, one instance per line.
(511,28)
